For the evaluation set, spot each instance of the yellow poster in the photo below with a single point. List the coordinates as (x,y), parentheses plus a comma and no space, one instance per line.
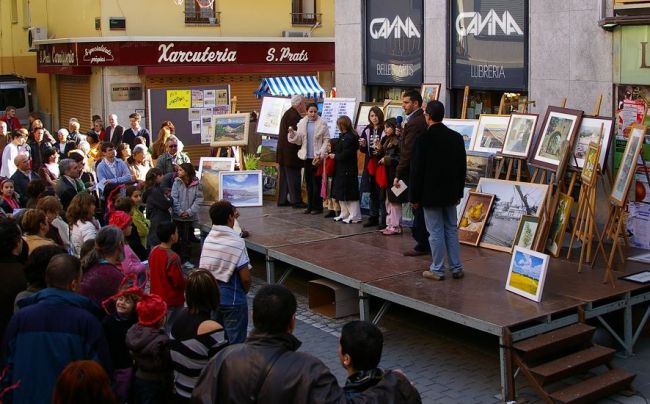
(179,99)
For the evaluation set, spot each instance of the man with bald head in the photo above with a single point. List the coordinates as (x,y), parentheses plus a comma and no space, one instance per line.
(22,177)
(56,316)
(114,131)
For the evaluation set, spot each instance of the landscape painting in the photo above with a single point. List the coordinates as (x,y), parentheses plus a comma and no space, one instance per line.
(627,169)
(491,133)
(558,131)
(513,200)
(466,127)
(519,135)
(268,150)
(590,132)
(479,165)
(559,225)
(527,232)
(241,188)
(270,180)
(208,174)
(527,273)
(230,130)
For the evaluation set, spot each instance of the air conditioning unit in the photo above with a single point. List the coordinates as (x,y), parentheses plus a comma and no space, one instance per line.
(295,34)
(35,34)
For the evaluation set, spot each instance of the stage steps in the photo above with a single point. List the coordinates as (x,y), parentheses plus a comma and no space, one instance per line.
(550,362)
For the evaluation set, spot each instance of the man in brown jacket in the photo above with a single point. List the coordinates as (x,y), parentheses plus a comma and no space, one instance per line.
(414,126)
(287,157)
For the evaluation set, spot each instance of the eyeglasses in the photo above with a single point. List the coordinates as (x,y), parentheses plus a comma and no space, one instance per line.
(173,146)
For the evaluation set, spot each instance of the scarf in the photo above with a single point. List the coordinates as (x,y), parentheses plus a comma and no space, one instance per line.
(221,253)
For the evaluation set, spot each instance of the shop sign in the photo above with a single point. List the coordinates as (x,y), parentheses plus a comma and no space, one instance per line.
(185,53)
(489,44)
(394,42)
(126,92)
(634,63)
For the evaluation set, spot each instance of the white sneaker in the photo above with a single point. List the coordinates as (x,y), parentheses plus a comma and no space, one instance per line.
(188,265)
(338,218)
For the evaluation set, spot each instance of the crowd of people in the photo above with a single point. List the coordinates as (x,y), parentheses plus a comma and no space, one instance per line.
(101,303)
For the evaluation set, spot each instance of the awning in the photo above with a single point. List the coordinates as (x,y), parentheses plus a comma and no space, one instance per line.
(287,86)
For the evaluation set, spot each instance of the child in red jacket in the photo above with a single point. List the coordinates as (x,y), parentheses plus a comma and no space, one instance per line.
(165,272)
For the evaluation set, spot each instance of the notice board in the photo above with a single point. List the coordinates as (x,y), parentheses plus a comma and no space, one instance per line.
(333,108)
(188,108)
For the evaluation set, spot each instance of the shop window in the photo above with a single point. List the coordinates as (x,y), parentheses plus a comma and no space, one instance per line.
(201,12)
(303,12)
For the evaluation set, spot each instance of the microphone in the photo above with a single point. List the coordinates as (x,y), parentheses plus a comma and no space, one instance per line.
(399,120)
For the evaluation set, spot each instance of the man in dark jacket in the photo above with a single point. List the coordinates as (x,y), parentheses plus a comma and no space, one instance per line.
(287,157)
(414,126)
(114,132)
(22,177)
(135,130)
(437,182)
(39,147)
(55,327)
(68,185)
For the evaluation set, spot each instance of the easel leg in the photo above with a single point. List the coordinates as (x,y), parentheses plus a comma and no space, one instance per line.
(519,163)
(510,162)
(615,245)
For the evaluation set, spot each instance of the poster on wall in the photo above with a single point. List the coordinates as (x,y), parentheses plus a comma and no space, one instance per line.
(333,108)
(489,41)
(394,42)
(273,108)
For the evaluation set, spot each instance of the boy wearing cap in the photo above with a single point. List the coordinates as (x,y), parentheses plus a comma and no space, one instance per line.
(149,347)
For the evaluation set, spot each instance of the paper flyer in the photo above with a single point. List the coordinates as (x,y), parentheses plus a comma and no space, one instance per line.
(206,112)
(194,114)
(196,127)
(207,129)
(209,98)
(197,99)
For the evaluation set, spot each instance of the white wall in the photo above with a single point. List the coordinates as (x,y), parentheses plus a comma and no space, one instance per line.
(435,46)
(349,53)
(122,74)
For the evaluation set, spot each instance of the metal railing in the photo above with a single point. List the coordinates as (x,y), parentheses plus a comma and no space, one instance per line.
(201,17)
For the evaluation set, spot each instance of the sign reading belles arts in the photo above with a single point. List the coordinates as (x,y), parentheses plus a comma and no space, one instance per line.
(394,42)
(489,44)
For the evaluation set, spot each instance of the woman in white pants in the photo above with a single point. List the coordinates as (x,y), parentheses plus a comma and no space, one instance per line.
(345,186)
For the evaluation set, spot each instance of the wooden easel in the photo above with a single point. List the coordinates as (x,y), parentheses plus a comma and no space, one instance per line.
(238,152)
(513,163)
(463,113)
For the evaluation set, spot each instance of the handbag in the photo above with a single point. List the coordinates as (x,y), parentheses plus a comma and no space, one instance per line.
(380,177)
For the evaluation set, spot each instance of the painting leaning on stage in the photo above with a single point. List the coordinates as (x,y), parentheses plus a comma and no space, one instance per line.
(527,273)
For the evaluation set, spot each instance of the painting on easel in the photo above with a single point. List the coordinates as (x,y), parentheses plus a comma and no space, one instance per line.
(230,130)
(627,169)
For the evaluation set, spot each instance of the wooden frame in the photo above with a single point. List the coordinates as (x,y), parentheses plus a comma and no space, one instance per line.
(393,109)
(527,273)
(271,112)
(430,92)
(474,216)
(555,139)
(560,221)
(496,125)
(527,223)
(270,180)
(241,188)
(590,166)
(230,130)
(363,109)
(519,135)
(513,200)
(589,132)
(208,174)
(627,169)
(466,127)
(479,165)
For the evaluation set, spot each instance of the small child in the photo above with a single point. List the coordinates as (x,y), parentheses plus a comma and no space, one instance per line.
(125,204)
(9,199)
(389,159)
(326,190)
(149,346)
(121,317)
(140,222)
(360,349)
(165,271)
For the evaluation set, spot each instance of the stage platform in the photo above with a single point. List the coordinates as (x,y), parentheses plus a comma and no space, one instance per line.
(373,264)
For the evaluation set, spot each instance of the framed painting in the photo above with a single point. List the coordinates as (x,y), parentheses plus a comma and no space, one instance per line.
(362,114)
(230,130)
(559,224)
(555,139)
(430,92)
(590,168)
(626,171)
(268,150)
(513,200)
(491,133)
(479,165)
(473,218)
(241,188)
(208,174)
(526,232)
(270,180)
(519,135)
(466,127)
(589,132)
(393,109)
(461,206)
(271,112)
(527,273)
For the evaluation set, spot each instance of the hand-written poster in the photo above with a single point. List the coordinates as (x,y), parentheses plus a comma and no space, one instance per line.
(273,108)
(333,108)
(179,99)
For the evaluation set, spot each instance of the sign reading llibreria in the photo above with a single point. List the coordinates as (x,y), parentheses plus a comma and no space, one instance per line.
(60,57)
(489,44)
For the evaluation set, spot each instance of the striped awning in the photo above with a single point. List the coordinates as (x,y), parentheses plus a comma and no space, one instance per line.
(287,86)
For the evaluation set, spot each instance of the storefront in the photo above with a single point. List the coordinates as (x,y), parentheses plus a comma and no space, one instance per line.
(488,51)
(394,37)
(113,76)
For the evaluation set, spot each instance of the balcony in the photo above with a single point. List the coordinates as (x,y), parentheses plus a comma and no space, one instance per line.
(306,18)
(203,16)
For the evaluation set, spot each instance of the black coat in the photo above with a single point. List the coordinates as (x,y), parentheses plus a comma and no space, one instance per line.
(287,154)
(158,207)
(438,168)
(20,185)
(38,153)
(390,158)
(415,127)
(66,191)
(346,173)
(13,282)
(114,136)
(366,179)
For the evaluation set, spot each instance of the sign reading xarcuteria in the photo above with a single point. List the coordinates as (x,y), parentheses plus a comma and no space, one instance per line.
(54,56)
(489,44)
(394,42)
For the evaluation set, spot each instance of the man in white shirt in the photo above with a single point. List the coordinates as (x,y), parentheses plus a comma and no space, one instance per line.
(18,139)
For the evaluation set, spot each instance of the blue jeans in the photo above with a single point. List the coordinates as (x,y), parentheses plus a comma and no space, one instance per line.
(234,320)
(442,226)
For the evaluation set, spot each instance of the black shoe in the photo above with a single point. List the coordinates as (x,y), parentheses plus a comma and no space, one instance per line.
(307,211)
(372,221)
(284,204)
(194,239)
(300,205)
(331,213)
(317,212)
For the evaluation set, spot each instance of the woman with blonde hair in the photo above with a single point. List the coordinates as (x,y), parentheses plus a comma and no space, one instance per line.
(346,180)
(81,218)
(159,147)
(35,227)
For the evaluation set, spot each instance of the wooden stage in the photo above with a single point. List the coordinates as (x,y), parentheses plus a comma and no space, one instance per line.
(373,264)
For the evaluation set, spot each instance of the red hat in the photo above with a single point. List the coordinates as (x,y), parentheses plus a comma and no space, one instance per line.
(151,308)
(134,291)
(120,219)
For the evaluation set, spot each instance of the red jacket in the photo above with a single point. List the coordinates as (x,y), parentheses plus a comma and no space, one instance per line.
(12,124)
(166,276)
